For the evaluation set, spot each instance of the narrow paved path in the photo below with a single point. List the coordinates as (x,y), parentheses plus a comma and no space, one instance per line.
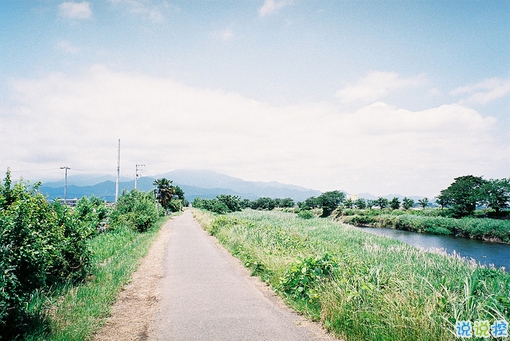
(207,295)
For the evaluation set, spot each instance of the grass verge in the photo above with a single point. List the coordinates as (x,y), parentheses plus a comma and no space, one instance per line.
(76,312)
(362,286)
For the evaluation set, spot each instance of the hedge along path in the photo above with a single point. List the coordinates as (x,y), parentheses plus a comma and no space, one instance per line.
(132,314)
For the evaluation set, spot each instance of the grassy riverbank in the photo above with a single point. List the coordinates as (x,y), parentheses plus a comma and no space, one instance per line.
(362,286)
(75,313)
(429,221)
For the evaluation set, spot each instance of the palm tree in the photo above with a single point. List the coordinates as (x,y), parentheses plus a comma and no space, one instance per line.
(423,202)
(164,191)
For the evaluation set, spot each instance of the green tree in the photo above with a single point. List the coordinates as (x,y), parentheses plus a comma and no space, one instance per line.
(395,203)
(164,191)
(424,202)
(463,195)
(329,201)
(382,202)
(232,202)
(245,203)
(264,203)
(441,202)
(309,203)
(496,194)
(180,196)
(286,203)
(349,203)
(407,203)
(371,203)
(360,203)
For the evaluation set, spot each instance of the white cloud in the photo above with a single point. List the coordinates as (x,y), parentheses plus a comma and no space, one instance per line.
(145,9)
(483,92)
(76,121)
(377,85)
(67,47)
(75,10)
(272,6)
(225,35)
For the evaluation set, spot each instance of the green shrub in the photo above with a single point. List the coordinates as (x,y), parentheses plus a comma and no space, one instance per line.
(40,245)
(305,214)
(91,212)
(358,220)
(135,209)
(301,279)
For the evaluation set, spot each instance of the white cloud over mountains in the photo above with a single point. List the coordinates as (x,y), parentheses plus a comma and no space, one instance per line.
(76,121)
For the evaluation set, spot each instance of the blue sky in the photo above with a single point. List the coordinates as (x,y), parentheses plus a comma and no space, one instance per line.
(364,96)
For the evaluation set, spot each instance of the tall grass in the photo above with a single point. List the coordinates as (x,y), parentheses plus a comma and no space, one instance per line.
(76,312)
(362,286)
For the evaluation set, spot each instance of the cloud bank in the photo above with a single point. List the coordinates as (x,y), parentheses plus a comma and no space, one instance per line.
(75,121)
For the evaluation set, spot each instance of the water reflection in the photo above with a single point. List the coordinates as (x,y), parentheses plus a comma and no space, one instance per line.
(482,252)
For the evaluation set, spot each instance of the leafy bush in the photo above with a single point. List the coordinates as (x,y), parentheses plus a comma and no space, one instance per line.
(91,212)
(40,245)
(358,220)
(305,214)
(135,209)
(301,279)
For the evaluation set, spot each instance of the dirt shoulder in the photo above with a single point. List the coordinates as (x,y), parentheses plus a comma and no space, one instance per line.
(132,314)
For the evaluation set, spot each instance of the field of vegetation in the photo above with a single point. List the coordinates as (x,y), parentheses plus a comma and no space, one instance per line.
(62,267)
(358,285)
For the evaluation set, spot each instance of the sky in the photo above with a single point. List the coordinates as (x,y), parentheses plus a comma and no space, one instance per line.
(384,97)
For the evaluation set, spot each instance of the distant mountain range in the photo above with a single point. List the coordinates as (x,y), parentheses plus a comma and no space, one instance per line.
(194,183)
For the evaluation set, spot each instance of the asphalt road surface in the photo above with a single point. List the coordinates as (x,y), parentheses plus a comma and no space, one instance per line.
(207,295)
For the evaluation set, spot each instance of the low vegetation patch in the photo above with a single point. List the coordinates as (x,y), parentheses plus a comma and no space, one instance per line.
(362,286)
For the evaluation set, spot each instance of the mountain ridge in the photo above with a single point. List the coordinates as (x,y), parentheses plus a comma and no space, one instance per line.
(195,183)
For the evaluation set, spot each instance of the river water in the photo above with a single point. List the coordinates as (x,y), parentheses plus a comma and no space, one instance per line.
(483,252)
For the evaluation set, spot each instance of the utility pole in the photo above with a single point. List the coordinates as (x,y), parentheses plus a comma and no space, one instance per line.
(138,167)
(65,168)
(118,175)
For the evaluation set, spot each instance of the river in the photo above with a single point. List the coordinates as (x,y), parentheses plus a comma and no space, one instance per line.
(483,252)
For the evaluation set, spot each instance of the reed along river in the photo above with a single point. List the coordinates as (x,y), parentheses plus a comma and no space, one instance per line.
(483,252)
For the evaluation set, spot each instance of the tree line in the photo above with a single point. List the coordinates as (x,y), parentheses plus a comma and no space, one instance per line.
(461,198)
